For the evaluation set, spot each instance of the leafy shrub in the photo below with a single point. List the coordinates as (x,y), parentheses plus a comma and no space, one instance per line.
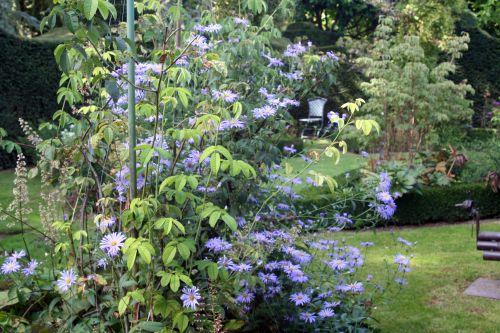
(201,231)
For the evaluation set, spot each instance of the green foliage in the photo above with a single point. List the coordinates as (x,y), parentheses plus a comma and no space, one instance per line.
(207,129)
(488,13)
(436,204)
(355,18)
(28,85)
(480,66)
(407,95)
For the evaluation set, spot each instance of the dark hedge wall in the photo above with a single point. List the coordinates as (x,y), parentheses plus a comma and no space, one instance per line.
(437,204)
(480,65)
(28,85)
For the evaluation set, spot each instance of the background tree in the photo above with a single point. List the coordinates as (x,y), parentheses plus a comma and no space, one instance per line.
(410,97)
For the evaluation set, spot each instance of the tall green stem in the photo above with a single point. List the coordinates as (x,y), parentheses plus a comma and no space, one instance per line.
(131,99)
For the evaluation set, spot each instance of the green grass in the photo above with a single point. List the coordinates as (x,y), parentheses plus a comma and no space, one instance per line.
(348,162)
(10,239)
(445,262)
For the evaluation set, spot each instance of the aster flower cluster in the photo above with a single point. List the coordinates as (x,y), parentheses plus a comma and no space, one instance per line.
(210,28)
(295,50)
(273,104)
(385,206)
(13,264)
(225,95)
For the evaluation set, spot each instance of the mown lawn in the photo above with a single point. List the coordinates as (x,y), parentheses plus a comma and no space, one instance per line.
(10,238)
(444,264)
(325,165)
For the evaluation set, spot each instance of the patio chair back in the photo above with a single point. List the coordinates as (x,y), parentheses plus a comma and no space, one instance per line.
(316,107)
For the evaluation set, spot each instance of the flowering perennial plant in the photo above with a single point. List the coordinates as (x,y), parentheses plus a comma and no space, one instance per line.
(210,237)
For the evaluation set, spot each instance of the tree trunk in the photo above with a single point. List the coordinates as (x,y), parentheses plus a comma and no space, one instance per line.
(319,22)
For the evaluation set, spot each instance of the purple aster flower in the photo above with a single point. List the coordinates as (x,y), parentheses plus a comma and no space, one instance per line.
(225,262)
(386,211)
(242,21)
(405,242)
(112,243)
(102,263)
(66,280)
(330,55)
(273,62)
(326,313)
(264,112)
(287,102)
(245,297)
(401,281)
(190,297)
(385,182)
(366,244)
(243,267)
(338,264)
(217,245)
(307,317)
(300,299)
(294,76)
(343,219)
(226,95)
(30,268)
(231,124)
(241,221)
(105,223)
(272,265)
(290,149)
(294,50)
(211,28)
(298,276)
(18,255)
(364,154)
(401,260)
(268,278)
(10,266)
(301,257)
(182,61)
(385,197)
(355,287)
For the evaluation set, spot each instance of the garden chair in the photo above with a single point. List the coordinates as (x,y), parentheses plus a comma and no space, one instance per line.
(315,117)
(486,241)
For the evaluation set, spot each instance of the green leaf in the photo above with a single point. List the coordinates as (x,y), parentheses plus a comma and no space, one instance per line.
(103,8)
(131,259)
(144,253)
(90,8)
(70,20)
(215,163)
(181,321)
(234,325)
(175,283)
(179,226)
(183,250)
(151,326)
(214,217)
(122,304)
(213,271)
(169,254)
(230,221)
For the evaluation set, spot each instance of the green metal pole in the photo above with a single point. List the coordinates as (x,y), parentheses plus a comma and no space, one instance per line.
(131,99)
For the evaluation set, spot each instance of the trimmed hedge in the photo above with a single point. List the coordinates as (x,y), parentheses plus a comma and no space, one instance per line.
(432,204)
(437,204)
(29,80)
